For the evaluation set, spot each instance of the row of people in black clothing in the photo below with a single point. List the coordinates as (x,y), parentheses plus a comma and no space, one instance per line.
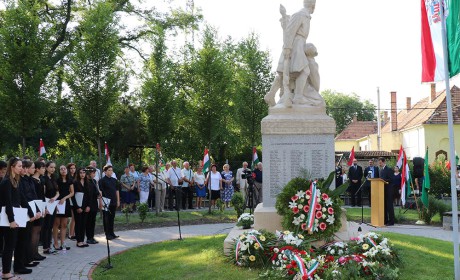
(26,181)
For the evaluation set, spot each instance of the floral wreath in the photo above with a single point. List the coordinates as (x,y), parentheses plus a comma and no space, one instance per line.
(311,208)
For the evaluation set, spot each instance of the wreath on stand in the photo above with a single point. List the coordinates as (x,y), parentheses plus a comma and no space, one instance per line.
(311,208)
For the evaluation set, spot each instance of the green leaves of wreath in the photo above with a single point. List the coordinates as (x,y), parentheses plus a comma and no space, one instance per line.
(300,184)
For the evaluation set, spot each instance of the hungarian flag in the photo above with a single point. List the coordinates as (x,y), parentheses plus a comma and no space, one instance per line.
(206,162)
(255,158)
(41,149)
(107,154)
(406,179)
(432,34)
(400,161)
(456,161)
(426,181)
(352,157)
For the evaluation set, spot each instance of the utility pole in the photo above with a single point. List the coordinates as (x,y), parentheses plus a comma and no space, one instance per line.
(379,123)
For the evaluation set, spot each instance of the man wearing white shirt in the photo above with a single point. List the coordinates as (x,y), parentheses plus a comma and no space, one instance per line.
(175,182)
(242,183)
(187,193)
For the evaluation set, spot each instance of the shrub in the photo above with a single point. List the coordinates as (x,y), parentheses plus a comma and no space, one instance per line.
(220,205)
(238,203)
(127,211)
(142,209)
(435,206)
(439,179)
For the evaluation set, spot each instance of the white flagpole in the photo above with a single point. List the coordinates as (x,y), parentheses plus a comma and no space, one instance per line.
(450,124)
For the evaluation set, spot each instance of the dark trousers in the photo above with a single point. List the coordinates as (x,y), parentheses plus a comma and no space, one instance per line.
(21,247)
(1,241)
(109,218)
(47,229)
(177,192)
(355,195)
(9,241)
(80,225)
(90,224)
(187,196)
(389,208)
(151,199)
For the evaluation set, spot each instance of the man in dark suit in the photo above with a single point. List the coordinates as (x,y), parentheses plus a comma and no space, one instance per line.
(386,174)
(355,175)
(370,172)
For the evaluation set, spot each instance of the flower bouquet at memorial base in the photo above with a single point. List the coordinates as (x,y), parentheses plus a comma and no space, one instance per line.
(252,248)
(245,221)
(311,208)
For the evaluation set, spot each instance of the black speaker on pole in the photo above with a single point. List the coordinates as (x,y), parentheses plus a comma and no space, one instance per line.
(418,167)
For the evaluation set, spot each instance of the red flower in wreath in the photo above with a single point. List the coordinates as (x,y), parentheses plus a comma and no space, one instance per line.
(319,214)
(324,196)
(308,192)
(306,208)
(322,226)
(294,198)
(295,210)
(304,226)
(318,206)
(330,210)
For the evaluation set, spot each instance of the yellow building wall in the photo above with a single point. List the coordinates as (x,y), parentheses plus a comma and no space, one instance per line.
(346,145)
(391,141)
(437,138)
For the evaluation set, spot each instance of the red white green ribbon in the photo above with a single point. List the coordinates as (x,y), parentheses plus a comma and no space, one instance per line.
(313,202)
(301,264)
(372,242)
(312,269)
(237,249)
(256,240)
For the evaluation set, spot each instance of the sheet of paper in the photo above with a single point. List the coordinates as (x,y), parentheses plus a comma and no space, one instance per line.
(105,201)
(61,208)
(33,206)
(41,205)
(79,198)
(20,217)
(51,206)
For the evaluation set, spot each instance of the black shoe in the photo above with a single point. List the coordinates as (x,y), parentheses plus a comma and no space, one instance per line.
(109,237)
(32,264)
(23,271)
(39,257)
(115,236)
(91,241)
(73,237)
(58,248)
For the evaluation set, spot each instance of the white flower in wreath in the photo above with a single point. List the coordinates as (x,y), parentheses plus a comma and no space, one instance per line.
(297,221)
(300,206)
(307,197)
(332,251)
(300,194)
(324,216)
(384,242)
(292,204)
(324,209)
(340,252)
(244,246)
(302,216)
(330,220)
(328,202)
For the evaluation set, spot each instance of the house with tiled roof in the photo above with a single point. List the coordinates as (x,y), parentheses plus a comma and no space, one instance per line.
(417,126)
(355,134)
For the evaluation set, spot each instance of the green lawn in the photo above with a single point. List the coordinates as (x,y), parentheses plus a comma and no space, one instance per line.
(410,217)
(202,258)
(186,217)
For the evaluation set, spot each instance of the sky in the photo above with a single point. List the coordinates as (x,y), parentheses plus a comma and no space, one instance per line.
(362,44)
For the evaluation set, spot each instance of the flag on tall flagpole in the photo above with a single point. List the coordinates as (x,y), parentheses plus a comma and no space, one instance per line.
(41,150)
(206,162)
(426,180)
(255,158)
(352,157)
(432,48)
(107,154)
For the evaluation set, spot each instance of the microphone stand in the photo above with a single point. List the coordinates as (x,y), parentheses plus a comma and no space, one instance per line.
(362,205)
(109,263)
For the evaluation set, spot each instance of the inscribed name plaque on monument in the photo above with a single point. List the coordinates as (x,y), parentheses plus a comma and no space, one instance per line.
(287,157)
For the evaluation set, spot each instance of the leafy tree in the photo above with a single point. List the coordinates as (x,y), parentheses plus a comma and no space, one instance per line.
(252,81)
(34,37)
(95,78)
(343,107)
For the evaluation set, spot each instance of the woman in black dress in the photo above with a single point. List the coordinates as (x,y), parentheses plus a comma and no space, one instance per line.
(80,209)
(65,186)
(51,193)
(94,204)
(396,182)
(73,175)
(39,184)
(9,198)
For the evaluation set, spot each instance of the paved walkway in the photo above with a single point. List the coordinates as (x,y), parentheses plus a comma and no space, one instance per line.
(76,263)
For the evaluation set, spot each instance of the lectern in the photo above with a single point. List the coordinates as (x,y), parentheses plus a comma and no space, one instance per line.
(378,202)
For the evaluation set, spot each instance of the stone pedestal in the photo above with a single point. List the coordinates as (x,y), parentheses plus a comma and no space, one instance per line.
(294,140)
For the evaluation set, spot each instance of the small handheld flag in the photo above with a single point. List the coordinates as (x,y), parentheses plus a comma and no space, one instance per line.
(206,162)
(107,154)
(255,158)
(352,156)
(41,150)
